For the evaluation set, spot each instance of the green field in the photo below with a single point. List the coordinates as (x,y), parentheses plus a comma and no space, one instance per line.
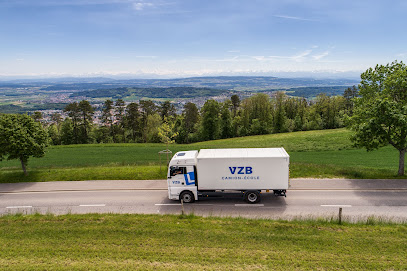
(152,242)
(326,153)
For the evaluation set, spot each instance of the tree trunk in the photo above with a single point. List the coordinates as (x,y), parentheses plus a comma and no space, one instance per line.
(23,166)
(401,162)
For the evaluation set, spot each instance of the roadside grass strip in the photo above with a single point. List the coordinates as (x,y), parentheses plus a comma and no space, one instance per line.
(153,242)
(85,173)
(153,172)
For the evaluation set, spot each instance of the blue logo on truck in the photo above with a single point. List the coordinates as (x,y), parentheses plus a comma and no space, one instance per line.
(238,171)
(190,178)
(241,170)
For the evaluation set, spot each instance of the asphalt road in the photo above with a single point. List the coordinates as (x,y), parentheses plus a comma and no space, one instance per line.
(359,199)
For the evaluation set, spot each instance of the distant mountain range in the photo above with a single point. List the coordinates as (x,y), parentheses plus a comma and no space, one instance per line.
(327,74)
(235,83)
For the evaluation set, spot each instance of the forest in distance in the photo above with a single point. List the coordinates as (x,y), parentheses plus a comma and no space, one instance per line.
(148,122)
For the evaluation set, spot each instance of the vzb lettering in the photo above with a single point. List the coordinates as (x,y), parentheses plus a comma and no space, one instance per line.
(241,170)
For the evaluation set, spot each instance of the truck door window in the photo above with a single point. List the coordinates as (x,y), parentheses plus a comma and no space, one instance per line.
(177,170)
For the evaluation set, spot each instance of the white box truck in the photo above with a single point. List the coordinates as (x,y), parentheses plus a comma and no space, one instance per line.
(213,172)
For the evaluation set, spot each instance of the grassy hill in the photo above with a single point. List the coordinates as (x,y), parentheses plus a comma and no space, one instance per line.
(325,154)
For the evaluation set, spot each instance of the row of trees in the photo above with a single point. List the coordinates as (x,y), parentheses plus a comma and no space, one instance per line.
(145,121)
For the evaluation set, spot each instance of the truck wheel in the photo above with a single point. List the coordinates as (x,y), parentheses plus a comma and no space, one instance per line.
(252,196)
(187,197)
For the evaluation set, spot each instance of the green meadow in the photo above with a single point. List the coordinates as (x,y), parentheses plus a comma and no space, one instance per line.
(169,242)
(317,154)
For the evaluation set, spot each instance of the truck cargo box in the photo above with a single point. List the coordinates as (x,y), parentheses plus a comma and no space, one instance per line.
(243,169)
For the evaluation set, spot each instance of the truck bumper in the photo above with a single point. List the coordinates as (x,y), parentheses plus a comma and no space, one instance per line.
(172,195)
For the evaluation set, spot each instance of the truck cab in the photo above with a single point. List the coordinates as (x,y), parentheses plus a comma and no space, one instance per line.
(182,177)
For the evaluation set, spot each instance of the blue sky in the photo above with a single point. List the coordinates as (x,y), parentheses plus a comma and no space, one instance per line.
(174,38)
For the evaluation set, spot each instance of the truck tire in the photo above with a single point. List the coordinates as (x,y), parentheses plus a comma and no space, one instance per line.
(187,197)
(252,196)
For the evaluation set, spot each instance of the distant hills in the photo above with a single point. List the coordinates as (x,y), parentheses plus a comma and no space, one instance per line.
(236,83)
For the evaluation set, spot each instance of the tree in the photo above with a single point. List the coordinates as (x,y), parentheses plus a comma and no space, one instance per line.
(167,135)
(350,94)
(37,116)
(107,120)
(20,138)
(132,120)
(380,113)
(300,117)
(151,130)
(56,118)
(73,112)
(313,120)
(236,125)
(235,103)
(279,119)
(191,116)
(67,136)
(166,132)
(258,108)
(148,108)
(328,108)
(81,115)
(179,128)
(210,120)
(86,112)
(226,120)
(167,110)
(186,124)
(54,135)
(120,108)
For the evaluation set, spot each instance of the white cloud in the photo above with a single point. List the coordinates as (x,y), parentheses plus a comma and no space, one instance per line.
(298,57)
(293,18)
(260,58)
(301,55)
(320,56)
(141,5)
(235,58)
(146,56)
